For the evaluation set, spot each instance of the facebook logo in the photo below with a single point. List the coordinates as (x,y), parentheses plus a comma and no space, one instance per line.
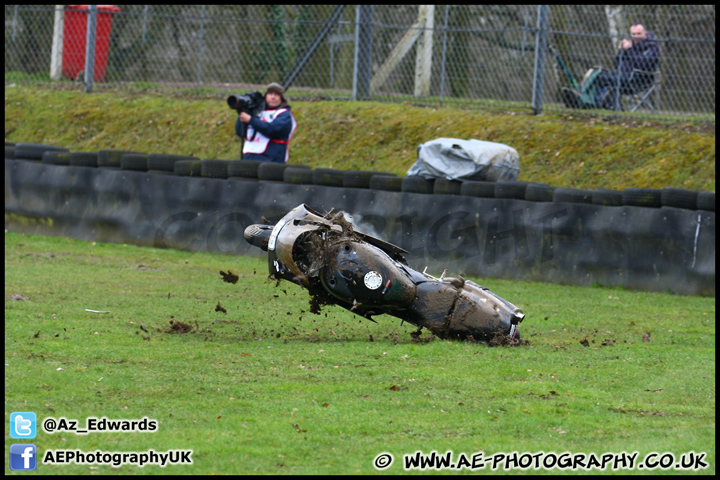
(23,425)
(23,456)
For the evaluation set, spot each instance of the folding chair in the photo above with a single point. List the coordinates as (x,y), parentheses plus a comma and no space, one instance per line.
(642,97)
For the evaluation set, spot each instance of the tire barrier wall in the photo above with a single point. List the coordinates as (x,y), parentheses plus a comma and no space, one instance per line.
(573,241)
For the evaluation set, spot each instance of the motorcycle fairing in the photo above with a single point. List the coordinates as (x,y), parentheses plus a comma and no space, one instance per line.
(369,276)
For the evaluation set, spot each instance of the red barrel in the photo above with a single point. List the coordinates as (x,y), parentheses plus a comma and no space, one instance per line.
(75,39)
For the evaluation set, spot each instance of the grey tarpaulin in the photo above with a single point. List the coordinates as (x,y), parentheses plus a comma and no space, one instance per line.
(456,159)
(660,249)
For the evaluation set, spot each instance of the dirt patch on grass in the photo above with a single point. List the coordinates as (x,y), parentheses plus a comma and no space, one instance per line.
(502,340)
(178,327)
(608,342)
(17,297)
(644,413)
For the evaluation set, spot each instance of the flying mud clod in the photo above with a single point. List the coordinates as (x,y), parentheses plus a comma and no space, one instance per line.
(229,277)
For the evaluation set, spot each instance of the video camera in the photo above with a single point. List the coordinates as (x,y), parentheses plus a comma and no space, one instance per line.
(252,103)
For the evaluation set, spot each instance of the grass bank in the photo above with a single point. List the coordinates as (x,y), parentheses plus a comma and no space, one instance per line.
(564,151)
(252,382)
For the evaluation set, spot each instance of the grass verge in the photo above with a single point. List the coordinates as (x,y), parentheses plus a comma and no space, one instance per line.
(252,382)
(560,150)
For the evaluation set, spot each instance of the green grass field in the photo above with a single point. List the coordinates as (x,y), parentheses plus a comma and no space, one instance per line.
(266,387)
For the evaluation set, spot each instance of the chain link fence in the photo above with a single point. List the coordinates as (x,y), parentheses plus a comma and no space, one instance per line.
(510,57)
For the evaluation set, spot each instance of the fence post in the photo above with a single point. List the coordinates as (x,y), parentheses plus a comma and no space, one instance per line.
(362,70)
(423,56)
(57,43)
(90,48)
(444,55)
(145,23)
(200,48)
(618,79)
(540,48)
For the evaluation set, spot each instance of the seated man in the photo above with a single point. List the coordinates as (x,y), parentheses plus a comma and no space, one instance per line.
(635,62)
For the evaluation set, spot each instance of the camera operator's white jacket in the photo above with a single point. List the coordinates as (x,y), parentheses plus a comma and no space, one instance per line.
(268,137)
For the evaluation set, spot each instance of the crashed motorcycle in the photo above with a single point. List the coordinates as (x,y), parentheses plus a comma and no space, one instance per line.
(369,277)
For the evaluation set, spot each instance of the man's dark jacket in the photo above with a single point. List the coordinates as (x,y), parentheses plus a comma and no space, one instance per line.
(644,55)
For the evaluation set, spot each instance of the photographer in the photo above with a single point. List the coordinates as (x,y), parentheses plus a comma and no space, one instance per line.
(268,137)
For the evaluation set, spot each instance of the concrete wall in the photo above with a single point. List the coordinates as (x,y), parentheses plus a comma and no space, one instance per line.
(661,249)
